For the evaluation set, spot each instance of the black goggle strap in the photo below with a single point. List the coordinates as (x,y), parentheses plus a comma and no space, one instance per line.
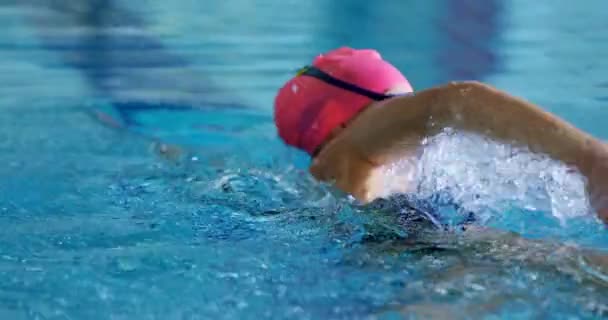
(325,77)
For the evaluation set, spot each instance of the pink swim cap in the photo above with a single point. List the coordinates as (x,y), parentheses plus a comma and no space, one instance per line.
(308,108)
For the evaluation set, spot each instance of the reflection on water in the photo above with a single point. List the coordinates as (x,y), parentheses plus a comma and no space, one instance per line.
(98,225)
(118,55)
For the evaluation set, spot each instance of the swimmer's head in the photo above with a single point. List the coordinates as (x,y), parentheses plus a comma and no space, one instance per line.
(328,94)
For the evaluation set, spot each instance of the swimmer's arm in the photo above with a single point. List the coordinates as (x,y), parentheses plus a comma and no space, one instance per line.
(480,108)
(475,107)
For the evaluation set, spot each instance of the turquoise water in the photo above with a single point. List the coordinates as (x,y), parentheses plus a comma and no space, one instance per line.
(224,221)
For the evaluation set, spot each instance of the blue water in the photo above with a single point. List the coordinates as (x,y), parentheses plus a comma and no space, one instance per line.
(198,211)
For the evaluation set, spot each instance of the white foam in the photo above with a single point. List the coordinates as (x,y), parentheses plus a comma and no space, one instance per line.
(485,177)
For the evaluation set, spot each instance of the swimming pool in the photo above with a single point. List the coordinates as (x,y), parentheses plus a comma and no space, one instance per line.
(103,223)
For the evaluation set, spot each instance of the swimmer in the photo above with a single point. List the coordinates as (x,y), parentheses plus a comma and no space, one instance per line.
(354,112)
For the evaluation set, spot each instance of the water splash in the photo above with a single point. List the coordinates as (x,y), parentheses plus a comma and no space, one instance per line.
(490,178)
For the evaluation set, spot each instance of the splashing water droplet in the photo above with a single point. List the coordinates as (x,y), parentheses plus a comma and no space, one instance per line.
(487,177)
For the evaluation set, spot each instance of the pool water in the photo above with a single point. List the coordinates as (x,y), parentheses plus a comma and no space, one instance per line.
(142,177)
